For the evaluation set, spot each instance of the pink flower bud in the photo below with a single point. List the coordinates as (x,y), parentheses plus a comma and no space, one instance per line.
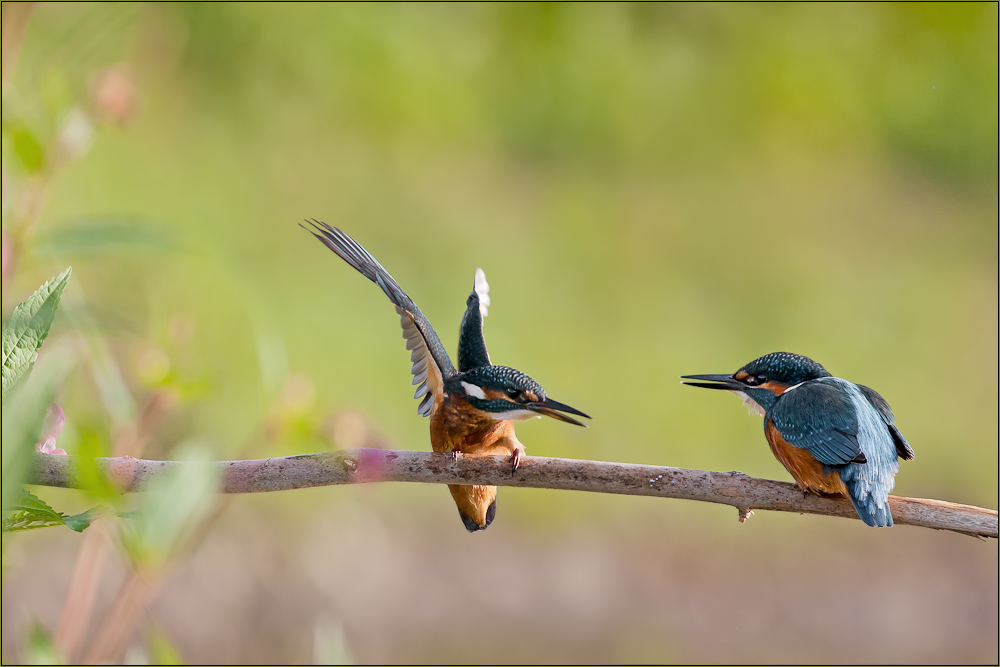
(55,419)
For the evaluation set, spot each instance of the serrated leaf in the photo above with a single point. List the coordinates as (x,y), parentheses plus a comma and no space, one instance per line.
(27,520)
(27,328)
(29,502)
(28,512)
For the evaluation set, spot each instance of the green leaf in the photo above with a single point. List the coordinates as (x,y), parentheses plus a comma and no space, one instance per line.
(28,521)
(27,328)
(80,522)
(28,149)
(28,512)
(29,502)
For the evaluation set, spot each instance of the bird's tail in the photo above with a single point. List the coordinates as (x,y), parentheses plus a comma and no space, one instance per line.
(477,505)
(869,493)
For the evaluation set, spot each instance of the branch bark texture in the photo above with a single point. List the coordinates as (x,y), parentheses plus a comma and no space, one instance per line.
(355,466)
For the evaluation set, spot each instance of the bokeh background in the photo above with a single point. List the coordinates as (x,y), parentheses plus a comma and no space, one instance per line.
(652,190)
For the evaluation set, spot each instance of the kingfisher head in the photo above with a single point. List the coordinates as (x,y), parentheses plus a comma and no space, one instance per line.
(507,393)
(763,380)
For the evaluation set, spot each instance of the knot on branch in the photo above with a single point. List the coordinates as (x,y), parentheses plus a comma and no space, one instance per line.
(370,465)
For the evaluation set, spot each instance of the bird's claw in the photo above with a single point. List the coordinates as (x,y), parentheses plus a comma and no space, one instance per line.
(456,453)
(515,460)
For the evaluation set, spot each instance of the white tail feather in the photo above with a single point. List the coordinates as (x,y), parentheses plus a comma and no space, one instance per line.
(483,290)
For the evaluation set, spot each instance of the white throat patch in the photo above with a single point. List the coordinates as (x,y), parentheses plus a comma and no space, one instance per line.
(517,415)
(753,407)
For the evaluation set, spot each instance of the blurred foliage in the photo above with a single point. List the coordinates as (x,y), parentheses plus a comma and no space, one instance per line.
(170,509)
(653,190)
(23,418)
(39,649)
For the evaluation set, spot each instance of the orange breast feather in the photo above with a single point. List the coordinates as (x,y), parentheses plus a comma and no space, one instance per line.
(809,473)
(456,425)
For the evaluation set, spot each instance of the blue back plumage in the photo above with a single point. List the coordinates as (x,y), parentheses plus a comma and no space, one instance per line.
(819,416)
(835,421)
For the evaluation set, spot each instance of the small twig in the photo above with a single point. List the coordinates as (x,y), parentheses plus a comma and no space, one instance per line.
(82,592)
(125,614)
(353,466)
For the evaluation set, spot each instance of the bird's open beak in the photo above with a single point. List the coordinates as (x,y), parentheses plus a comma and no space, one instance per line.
(715,382)
(555,409)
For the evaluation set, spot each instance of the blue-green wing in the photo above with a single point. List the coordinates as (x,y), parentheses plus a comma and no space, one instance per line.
(819,417)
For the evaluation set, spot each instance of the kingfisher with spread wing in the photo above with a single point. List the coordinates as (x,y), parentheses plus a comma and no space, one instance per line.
(473,408)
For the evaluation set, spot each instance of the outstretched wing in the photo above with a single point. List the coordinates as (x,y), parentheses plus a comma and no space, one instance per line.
(431,364)
(903,449)
(820,419)
(471,342)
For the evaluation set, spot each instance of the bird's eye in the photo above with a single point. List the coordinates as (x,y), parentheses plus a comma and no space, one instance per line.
(513,393)
(761,379)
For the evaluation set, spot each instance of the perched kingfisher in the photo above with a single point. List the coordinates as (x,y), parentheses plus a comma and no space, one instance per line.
(834,436)
(472,409)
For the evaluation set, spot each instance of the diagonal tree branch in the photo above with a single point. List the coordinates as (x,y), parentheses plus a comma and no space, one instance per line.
(354,466)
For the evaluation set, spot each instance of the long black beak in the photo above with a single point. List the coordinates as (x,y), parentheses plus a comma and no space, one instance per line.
(548,407)
(715,382)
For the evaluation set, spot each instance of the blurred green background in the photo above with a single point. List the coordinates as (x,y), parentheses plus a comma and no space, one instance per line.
(652,190)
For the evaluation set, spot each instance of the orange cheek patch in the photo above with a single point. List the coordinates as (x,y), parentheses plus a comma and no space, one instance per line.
(776,388)
(492,394)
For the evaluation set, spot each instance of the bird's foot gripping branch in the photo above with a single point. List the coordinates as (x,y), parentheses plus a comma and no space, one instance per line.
(354,466)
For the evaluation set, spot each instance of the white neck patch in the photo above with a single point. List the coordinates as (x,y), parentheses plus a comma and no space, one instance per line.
(473,390)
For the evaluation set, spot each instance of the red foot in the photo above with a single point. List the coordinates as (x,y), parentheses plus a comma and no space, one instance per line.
(515,460)
(455,453)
